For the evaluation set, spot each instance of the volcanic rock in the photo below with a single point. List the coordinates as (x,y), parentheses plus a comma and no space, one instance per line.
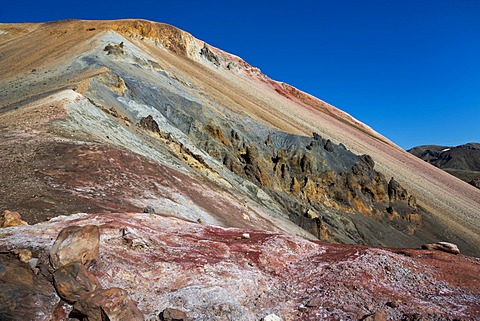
(170,314)
(442,246)
(113,304)
(73,280)
(24,295)
(75,244)
(9,219)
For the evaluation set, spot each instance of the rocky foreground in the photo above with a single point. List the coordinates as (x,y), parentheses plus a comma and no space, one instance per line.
(133,266)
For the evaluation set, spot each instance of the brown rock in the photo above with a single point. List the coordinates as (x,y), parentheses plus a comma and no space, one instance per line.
(73,280)
(9,219)
(75,244)
(113,304)
(24,295)
(170,314)
(379,315)
(442,246)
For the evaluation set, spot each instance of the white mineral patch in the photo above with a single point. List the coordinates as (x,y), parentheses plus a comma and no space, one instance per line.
(3,32)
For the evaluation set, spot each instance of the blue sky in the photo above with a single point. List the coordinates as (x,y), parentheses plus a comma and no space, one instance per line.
(408,68)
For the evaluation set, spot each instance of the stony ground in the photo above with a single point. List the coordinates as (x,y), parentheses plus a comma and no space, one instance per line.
(215,273)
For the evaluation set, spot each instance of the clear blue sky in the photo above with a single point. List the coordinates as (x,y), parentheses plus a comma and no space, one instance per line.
(408,68)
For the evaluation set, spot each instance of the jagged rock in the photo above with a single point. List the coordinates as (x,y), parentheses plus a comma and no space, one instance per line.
(396,192)
(24,295)
(113,304)
(73,280)
(442,246)
(149,209)
(379,315)
(272,317)
(170,314)
(114,49)
(329,146)
(75,244)
(209,55)
(9,219)
(150,124)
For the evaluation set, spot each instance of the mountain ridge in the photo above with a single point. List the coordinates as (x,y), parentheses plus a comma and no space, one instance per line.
(191,69)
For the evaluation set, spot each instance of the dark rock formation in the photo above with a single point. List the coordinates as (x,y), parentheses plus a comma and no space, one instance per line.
(170,314)
(462,161)
(209,55)
(150,124)
(75,244)
(114,49)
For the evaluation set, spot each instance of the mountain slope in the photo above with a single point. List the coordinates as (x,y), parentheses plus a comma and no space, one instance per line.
(119,115)
(460,161)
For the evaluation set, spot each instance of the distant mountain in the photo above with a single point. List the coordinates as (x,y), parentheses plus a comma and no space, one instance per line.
(461,161)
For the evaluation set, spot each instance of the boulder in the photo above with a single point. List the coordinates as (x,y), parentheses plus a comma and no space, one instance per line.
(442,246)
(272,317)
(73,280)
(24,295)
(9,219)
(113,304)
(75,244)
(148,123)
(170,314)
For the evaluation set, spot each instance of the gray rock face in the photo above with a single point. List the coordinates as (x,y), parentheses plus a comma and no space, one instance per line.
(23,294)
(75,244)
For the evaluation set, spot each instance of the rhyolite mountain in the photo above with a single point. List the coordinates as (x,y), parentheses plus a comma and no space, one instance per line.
(461,161)
(110,118)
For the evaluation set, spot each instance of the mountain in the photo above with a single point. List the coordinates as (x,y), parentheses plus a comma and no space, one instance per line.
(460,161)
(113,118)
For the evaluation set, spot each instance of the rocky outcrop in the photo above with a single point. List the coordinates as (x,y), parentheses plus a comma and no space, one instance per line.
(9,219)
(73,280)
(209,55)
(213,273)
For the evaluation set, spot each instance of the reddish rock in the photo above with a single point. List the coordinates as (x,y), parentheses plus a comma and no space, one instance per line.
(73,280)
(24,295)
(75,244)
(113,304)
(9,219)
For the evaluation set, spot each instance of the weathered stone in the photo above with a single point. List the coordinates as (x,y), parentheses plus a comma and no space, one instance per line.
(73,280)
(113,304)
(170,314)
(24,255)
(442,246)
(75,244)
(379,315)
(272,317)
(9,219)
(24,295)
